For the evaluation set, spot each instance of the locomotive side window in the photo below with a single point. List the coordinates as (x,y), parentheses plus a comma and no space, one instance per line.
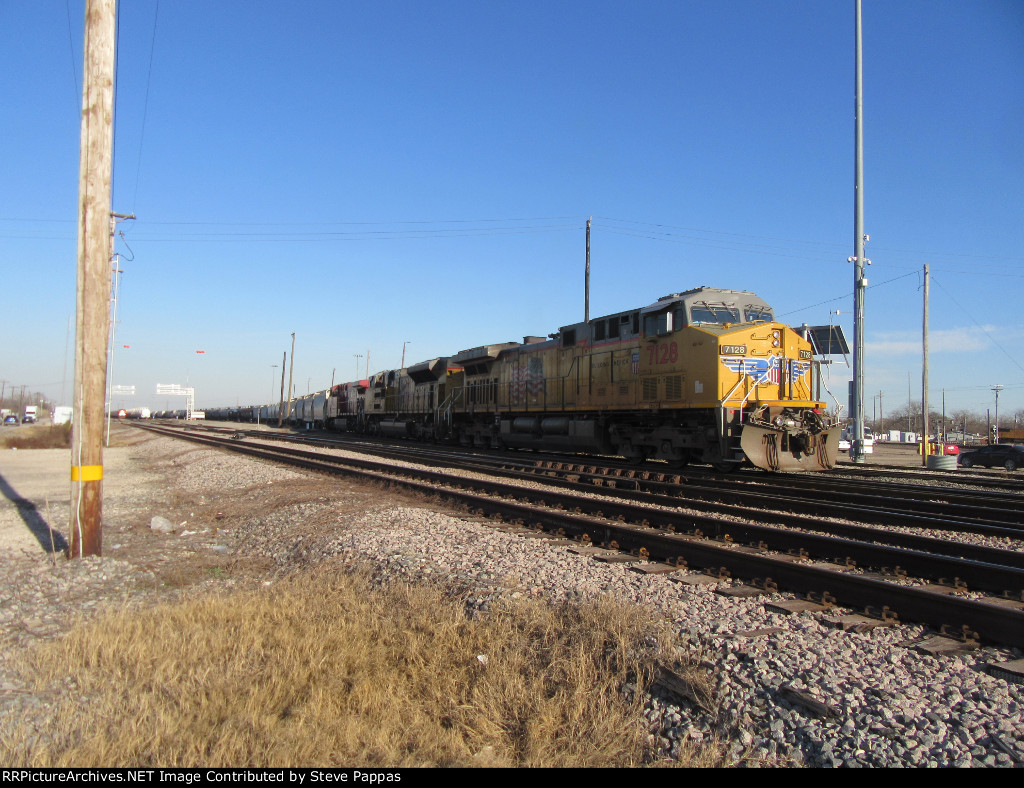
(658,324)
(599,328)
(613,328)
(569,338)
(753,314)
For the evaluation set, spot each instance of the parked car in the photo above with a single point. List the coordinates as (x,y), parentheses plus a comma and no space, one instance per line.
(12,420)
(1008,455)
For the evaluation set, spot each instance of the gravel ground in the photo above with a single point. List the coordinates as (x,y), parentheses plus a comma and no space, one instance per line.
(237,521)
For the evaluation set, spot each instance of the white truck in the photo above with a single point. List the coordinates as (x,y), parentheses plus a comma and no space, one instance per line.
(30,415)
(62,414)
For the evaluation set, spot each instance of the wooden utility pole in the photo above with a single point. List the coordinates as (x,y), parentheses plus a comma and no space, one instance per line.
(93,310)
(924,377)
(280,405)
(291,367)
(586,285)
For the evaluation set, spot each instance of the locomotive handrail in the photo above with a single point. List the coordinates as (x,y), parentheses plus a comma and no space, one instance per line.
(732,391)
(444,410)
(839,407)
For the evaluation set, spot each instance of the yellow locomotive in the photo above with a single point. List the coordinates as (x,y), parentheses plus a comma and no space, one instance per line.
(705,375)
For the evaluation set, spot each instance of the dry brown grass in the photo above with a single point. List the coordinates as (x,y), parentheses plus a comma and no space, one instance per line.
(57,436)
(324,669)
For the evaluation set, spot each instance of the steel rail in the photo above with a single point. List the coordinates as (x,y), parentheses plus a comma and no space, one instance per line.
(965,510)
(643,491)
(1007,481)
(885,501)
(990,621)
(879,515)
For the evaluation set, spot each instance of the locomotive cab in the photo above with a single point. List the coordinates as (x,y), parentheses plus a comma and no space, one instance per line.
(738,385)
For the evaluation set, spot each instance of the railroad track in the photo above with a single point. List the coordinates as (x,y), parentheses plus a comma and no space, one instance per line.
(871,503)
(843,570)
(845,474)
(994,479)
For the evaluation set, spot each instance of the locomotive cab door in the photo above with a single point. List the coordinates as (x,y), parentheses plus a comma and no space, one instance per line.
(568,368)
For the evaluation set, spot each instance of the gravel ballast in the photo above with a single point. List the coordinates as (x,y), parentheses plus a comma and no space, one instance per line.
(880,702)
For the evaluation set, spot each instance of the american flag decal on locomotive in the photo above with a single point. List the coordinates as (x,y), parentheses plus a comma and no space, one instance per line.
(528,381)
(764,370)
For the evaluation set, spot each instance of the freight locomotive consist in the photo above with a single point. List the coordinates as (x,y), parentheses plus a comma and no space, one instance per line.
(706,375)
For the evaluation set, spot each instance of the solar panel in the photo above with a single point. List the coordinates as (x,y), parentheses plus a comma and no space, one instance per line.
(828,340)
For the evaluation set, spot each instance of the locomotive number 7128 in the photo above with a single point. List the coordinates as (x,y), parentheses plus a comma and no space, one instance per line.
(664,353)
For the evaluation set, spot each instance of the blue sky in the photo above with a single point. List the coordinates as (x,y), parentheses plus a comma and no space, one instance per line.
(372,174)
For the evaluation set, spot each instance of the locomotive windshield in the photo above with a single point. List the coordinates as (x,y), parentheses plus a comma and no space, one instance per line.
(705,312)
(714,313)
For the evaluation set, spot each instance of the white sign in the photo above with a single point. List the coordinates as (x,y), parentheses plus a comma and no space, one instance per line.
(175,390)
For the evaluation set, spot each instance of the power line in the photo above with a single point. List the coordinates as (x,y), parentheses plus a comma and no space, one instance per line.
(76,89)
(413,229)
(979,325)
(847,295)
(145,107)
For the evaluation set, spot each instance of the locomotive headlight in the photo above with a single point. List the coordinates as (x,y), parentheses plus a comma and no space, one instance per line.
(775,343)
(776,334)
(776,338)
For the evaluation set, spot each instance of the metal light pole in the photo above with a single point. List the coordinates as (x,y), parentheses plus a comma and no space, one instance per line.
(859,260)
(357,357)
(997,388)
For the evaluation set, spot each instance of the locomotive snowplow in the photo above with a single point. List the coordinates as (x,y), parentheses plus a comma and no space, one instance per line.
(780,439)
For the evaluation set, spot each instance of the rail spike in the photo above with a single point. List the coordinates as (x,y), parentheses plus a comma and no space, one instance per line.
(963,633)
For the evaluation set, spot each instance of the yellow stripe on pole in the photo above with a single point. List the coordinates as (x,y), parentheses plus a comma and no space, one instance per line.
(86,473)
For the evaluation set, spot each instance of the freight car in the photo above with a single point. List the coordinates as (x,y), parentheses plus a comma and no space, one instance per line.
(705,375)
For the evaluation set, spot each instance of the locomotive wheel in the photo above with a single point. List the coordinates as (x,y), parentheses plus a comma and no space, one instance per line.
(725,467)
